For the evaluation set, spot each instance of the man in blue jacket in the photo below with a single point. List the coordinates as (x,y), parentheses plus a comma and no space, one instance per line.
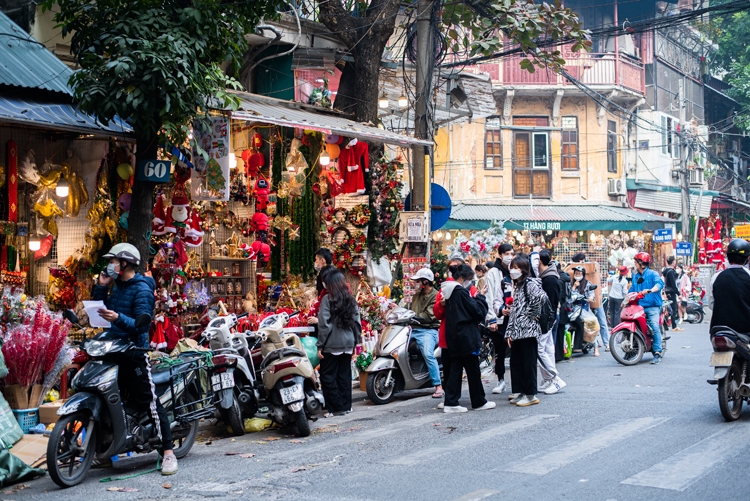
(651,302)
(131,297)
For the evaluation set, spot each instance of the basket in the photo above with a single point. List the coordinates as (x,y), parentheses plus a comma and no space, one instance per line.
(27,418)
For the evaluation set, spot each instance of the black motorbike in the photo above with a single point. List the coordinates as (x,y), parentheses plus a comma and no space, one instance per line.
(97,422)
(695,314)
(730,362)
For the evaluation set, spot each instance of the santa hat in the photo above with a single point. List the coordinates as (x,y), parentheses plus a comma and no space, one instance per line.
(193,232)
(179,198)
(160,217)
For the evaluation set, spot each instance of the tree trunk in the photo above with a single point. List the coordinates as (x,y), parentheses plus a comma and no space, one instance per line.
(346,98)
(142,201)
(366,81)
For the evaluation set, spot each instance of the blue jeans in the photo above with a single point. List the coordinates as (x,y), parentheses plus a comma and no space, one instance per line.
(427,339)
(603,329)
(652,319)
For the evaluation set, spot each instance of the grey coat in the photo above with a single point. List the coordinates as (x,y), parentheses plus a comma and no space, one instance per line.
(332,339)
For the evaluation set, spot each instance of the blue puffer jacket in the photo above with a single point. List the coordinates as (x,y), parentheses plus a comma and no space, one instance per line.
(130,299)
(650,279)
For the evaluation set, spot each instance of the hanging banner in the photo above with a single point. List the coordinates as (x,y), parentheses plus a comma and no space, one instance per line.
(210,178)
(11,151)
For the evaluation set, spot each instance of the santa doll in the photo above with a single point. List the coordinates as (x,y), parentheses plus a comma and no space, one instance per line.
(179,213)
(160,217)
(193,232)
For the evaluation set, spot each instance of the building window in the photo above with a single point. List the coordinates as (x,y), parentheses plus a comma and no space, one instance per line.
(493,144)
(611,146)
(670,144)
(531,164)
(569,143)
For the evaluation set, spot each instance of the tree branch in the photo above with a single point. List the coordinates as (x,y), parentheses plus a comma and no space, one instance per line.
(339,21)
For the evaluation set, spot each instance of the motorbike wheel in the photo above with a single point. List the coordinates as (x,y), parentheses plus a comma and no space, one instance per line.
(630,356)
(233,417)
(302,424)
(376,390)
(697,318)
(68,461)
(730,401)
(181,446)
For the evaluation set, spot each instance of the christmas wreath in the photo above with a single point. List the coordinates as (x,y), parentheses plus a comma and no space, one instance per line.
(359,216)
(357,242)
(342,252)
(340,215)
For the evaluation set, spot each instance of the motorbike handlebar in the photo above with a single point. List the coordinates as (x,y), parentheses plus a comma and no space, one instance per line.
(242,315)
(294,314)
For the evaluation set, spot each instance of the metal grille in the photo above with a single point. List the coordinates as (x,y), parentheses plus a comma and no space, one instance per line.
(594,253)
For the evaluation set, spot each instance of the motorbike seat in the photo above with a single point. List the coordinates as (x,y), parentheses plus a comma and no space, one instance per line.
(279,354)
(721,329)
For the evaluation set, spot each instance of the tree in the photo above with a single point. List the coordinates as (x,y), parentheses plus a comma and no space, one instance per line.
(158,65)
(475,27)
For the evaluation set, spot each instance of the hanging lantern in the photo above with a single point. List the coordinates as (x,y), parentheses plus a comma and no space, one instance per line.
(34,243)
(333,151)
(403,101)
(383,101)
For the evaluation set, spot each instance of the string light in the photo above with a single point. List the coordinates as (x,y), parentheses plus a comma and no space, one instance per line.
(232,161)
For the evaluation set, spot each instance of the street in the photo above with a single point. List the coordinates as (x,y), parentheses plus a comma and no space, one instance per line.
(614,433)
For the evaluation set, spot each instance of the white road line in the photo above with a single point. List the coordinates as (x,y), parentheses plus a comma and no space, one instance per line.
(462,442)
(683,469)
(476,495)
(544,462)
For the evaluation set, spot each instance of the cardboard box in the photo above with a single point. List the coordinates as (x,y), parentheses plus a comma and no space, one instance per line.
(31,449)
(593,275)
(17,397)
(48,412)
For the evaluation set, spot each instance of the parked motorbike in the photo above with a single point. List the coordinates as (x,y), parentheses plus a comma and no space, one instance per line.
(632,337)
(695,313)
(97,420)
(577,301)
(288,376)
(398,364)
(730,362)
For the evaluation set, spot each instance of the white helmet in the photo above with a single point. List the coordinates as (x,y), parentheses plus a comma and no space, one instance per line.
(126,252)
(424,273)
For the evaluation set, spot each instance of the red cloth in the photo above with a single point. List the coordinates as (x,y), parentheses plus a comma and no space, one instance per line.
(354,161)
(11,179)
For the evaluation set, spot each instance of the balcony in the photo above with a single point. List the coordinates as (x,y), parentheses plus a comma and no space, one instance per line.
(595,69)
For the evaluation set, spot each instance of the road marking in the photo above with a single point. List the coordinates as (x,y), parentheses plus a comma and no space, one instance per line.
(680,471)
(476,495)
(544,462)
(477,439)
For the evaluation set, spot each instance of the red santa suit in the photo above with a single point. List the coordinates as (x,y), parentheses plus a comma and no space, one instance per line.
(354,161)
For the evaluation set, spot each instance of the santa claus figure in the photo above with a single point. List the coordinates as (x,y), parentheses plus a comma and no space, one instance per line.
(193,232)
(178,213)
(160,217)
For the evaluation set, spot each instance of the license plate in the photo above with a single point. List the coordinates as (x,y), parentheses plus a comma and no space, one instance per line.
(292,394)
(222,381)
(721,359)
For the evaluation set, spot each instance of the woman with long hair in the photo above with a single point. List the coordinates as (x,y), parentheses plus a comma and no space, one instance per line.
(339,330)
(586,289)
(523,331)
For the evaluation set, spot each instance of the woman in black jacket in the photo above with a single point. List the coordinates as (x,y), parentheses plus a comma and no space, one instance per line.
(463,314)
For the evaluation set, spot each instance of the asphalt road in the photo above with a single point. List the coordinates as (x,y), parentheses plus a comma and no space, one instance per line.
(614,433)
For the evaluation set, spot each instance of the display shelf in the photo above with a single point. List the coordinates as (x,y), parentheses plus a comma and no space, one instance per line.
(235,259)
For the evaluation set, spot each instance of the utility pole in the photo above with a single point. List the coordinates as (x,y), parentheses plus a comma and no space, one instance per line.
(425,63)
(685,184)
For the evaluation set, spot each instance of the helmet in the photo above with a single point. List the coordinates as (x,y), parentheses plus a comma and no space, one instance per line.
(126,252)
(643,257)
(423,273)
(580,268)
(738,247)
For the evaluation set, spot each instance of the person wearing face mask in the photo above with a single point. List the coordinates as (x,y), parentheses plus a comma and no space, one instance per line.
(426,335)
(523,331)
(586,289)
(323,260)
(647,280)
(599,312)
(499,290)
(132,296)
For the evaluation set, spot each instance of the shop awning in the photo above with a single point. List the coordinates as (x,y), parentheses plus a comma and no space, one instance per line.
(290,114)
(47,114)
(661,198)
(554,217)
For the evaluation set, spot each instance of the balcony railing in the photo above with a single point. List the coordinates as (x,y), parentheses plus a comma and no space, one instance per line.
(590,68)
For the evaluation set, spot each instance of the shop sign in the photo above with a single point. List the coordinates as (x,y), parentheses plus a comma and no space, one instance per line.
(684,249)
(541,225)
(413,227)
(742,231)
(663,235)
(155,171)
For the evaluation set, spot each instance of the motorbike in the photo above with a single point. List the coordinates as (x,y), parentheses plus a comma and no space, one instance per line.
(234,379)
(97,422)
(632,337)
(695,313)
(288,376)
(730,362)
(577,300)
(398,363)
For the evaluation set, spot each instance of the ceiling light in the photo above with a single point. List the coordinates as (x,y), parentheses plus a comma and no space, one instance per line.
(34,243)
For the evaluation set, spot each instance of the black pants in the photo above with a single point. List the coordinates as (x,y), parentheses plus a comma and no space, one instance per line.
(501,346)
(135,378)
(336,381)
(672,296)
(560,339)
(469,363)
(615,310)
(523,366)
(576,328)
(445,359)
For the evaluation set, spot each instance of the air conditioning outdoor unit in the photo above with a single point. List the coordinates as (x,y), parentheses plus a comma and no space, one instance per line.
(615,187)
(696,177)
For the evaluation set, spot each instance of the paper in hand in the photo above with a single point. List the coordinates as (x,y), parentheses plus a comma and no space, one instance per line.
(92,310)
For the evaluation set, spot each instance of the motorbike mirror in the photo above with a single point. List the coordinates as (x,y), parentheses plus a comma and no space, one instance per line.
(242,315)
(594,286)
(142,320)
(70,316)
(639,281)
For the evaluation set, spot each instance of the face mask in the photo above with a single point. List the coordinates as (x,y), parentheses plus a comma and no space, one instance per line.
(112,270)
(578,277)
(515,273)
(507,260)
(317,267)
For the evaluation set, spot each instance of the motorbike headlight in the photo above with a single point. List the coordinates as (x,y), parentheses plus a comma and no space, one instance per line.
(391,317)
(104,381)
(98,348)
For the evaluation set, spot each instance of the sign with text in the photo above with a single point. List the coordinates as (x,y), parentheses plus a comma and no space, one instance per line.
(742,231)
(413,227)
(684,249)
(663,235)
(155,171)
(541,225)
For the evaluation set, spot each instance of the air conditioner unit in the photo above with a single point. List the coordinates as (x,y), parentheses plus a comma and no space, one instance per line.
(675,173)
(696,177)
(615,187)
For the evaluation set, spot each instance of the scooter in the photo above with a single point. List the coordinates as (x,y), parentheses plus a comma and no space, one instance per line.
(632,337)
(694,312)
(730,362)
(577,299)
(398,364)
(97,421)
(288,376)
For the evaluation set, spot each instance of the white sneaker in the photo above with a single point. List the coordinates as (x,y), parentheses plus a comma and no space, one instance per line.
(515,397)
(487,405)
(457,408)
(169,465)
(544,385)
(499,388)
(555,385)
(527,400)
(441,405)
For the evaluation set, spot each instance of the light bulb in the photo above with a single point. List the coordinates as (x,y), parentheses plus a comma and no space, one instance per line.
(633,233)
(232,161)
(679,236)
(592,237)
(438,235)
(447,235)
(35,244)
(580,233)
(325,158)
(383,101)
(549,232)
(616,232)
(403,101)
(62,189)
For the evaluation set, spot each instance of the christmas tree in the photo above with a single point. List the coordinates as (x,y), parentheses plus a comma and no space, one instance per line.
(438,264)
(215,180)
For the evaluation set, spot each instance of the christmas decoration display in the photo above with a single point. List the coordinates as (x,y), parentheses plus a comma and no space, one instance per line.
(385,204)
(353,162)
(479,244)
(359,215)
(260,192)
(210,178)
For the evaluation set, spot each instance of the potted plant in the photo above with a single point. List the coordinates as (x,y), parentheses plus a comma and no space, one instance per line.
(363,361)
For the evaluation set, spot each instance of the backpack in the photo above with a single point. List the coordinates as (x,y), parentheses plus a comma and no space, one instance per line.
(566,291)
(547,316)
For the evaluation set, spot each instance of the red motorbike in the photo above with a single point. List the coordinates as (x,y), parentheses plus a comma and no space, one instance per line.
(632,337)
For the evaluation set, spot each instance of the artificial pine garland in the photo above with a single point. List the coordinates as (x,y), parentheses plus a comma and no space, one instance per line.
(282,207)
(385,205)
(306,209)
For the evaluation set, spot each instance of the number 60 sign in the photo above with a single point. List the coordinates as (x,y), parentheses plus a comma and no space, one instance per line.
(155,171)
